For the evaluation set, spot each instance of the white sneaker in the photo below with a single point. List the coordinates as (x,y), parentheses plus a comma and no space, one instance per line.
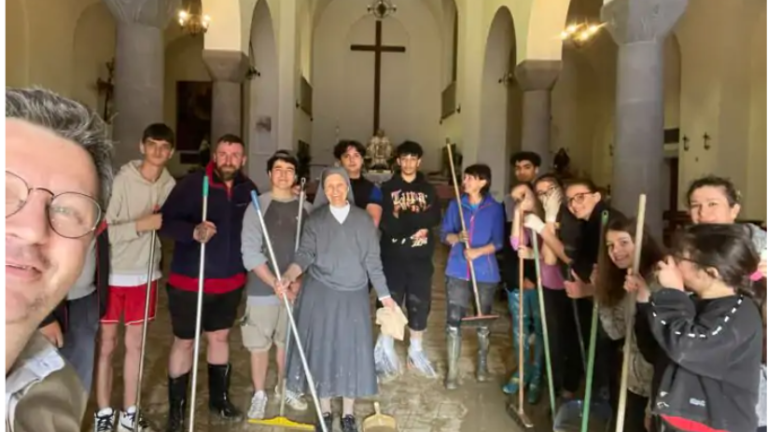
(258,408)
(129,422)
(294,400)
(104,420)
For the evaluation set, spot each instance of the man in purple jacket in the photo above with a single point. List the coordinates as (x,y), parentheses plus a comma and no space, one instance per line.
(229,197)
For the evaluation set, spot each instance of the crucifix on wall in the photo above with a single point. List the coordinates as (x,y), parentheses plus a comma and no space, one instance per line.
(107,87)
(377,48)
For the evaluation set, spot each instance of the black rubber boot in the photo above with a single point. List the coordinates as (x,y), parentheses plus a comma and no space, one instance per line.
(453,342)
(218,401)
(177,399)
(483,345)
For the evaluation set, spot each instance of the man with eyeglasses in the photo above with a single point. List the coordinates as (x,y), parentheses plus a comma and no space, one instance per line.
(224,279)
(58,180)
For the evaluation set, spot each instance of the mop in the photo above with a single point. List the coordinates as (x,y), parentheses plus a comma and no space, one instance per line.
(577,412)
(545,331)
(144,325)
(199,323)
(518,413)
(282,421)
(629,317)
(480,319)
(291,321)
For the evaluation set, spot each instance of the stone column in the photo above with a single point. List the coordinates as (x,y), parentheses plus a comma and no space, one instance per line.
(139,70)
(639,28)
(227,69)
(536,79)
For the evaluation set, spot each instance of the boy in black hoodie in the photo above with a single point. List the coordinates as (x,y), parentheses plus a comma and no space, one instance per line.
(410,211)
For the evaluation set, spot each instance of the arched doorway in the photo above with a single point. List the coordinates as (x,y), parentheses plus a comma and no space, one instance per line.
(262,94)
(498,93)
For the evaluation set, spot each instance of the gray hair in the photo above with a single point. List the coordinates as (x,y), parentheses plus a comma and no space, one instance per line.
(70,120)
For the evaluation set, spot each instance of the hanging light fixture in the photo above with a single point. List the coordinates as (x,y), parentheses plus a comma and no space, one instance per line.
(382,8)
(193,21)
(580,34)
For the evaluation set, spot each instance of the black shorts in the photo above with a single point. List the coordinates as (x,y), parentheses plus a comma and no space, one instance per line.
(219,311)
(410,282)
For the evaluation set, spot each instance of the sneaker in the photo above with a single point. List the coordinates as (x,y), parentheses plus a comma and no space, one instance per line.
(295,401)
(348,424)
(258,407)
(129,422)
(104,420)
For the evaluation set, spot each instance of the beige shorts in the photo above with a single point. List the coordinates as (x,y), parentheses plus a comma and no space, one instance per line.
(264,325)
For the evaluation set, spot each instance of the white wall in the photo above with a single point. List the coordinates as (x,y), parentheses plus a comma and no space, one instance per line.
(493,148)
(90,54)
(263,98)
(343,80)
(755,206)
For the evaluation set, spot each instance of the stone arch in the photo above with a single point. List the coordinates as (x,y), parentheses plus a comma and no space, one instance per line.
(498,87)
(229,30)
(92,47)
(262,93)
(17,54)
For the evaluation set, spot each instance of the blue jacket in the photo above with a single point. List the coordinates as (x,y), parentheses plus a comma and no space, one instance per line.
(485,225)
(183,211)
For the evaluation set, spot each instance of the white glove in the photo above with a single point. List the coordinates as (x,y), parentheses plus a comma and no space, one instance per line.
(552,204)
(534,222)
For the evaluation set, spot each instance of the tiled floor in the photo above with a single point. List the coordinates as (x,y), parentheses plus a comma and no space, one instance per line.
(418,404)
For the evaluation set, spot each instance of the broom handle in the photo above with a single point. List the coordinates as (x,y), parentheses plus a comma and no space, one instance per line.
(629,316)
(288,333)
(199,319)
(464,229)
(545,331)
(145,323)
(291,320)
(520,323)
(593,339)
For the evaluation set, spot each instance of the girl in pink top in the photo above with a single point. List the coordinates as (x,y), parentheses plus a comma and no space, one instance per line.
(527,203)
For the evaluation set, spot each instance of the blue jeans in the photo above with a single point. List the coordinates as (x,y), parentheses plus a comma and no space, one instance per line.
(531,321)
(79,347)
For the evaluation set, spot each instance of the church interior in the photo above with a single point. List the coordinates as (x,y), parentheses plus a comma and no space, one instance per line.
(492,77)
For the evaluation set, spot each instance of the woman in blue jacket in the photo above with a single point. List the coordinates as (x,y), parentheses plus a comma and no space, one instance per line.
(484,218)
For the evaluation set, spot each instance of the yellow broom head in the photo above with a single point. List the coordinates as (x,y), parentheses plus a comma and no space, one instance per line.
(283,423)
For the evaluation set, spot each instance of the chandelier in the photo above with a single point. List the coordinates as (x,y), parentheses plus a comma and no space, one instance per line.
(382,9)
(194,23)
(580,34)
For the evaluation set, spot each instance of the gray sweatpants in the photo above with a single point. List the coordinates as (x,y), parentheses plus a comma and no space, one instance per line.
(80,338)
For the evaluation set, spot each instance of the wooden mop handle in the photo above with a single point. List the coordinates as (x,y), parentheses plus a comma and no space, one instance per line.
(464,229)
(629,316)
(520,312)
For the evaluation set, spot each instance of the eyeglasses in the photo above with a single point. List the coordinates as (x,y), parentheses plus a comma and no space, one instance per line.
(578,198)
(70,214)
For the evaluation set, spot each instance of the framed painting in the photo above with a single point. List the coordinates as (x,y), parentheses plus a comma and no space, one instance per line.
(194,104)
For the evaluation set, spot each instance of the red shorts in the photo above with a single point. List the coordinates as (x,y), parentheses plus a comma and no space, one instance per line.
(128,303)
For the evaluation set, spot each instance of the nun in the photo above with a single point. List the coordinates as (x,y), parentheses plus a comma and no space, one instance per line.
(338,254)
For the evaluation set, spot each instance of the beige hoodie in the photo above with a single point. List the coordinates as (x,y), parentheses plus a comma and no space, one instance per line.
(134,197)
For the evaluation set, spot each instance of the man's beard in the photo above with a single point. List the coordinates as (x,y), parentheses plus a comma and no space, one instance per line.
(229,174)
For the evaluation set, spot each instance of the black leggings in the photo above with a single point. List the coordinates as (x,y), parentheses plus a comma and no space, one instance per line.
(459,296)
(411,281)
(564,347)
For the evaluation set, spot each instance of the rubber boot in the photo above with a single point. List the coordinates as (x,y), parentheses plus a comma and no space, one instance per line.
(513,301)
(218,400)
(453,348)
(177,399)
(483,344)
(534,386)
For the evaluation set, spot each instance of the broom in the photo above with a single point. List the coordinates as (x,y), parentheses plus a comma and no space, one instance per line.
(629,317)
(281,421)
(291,321)
(544,330)
(479,319)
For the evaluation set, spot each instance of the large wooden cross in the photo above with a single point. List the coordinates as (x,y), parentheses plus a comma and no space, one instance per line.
(377,48)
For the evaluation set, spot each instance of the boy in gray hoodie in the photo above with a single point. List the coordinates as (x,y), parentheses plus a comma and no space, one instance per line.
(266,321)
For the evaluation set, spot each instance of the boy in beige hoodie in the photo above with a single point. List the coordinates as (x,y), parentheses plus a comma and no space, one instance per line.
(140,188)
